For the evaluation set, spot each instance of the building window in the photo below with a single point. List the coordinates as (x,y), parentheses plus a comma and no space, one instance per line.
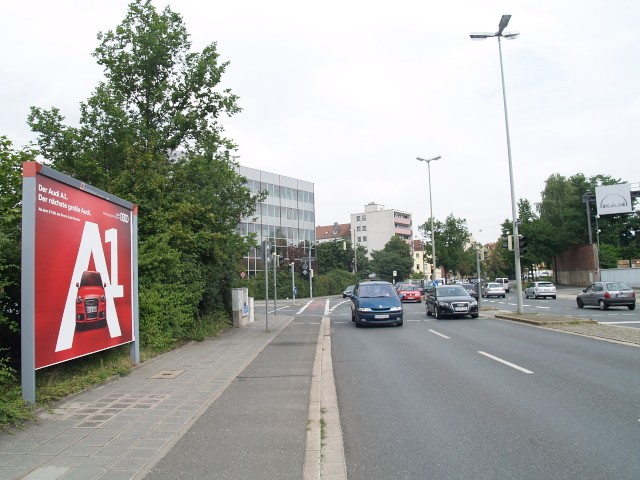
(364,228)
(358,229)
(357,218)
(364,217)
(364,239)
(359,239)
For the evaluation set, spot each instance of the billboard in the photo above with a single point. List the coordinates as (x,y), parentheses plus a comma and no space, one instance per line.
(83,292)
(611,199)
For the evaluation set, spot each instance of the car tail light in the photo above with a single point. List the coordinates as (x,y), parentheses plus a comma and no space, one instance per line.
(633,294)
(607,295)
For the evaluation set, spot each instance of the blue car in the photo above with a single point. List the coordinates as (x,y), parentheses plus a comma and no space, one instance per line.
(376,303)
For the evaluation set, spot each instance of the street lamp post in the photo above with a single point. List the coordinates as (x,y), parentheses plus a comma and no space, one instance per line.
(504,21)
(433,237)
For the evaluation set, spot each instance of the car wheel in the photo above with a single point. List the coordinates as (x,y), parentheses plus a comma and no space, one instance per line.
(436,314)
(526,294)
(428,311)
(399,323)
(475,315)
(602,305)
(535,296)
(358,322)
(353,317)
(580,303)
(553,296)
(504,296)
(632,306)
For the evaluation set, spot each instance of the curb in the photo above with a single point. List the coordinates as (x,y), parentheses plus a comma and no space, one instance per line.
(324,453)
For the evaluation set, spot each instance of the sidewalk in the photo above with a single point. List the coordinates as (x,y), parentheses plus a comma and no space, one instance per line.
(122,429)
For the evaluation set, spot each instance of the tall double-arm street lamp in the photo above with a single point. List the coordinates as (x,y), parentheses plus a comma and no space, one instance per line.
(433,237)
(504,21)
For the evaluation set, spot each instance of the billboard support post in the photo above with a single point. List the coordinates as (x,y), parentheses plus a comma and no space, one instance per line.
(27,324)
(135,345)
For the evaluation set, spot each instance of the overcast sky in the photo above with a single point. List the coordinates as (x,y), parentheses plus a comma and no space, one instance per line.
(347,93)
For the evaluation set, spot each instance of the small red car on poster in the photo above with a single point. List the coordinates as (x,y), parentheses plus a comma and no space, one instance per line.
(91,306)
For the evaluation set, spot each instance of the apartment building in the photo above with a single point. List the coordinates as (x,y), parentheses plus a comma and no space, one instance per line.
(375,226)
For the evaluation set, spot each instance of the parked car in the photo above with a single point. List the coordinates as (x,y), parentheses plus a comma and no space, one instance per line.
(91,306)
(504,281)
(540,290)
(348,291)
(607,294)
(376,303)
(408,292)
(452,301)
(493,289)
(472,289)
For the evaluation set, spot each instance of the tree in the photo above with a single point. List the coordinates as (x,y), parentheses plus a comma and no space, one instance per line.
(451,239)
(562,208)
(10,241)
(564,213)
(335,255)
(395,256)
(150,133)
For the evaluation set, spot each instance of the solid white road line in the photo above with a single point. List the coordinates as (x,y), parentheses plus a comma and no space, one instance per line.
(304,308)
(439,334)
(497,359)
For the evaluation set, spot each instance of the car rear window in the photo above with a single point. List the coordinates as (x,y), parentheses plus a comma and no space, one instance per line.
(617,286)
(545,284)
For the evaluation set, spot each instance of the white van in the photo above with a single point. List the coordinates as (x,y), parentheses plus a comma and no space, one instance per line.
(504,281)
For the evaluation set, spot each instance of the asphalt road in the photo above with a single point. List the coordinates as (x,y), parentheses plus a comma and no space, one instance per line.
(565,305)
(484,399)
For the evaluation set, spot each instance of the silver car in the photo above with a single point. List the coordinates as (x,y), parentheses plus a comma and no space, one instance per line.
(493,289)
(540,290)
(607,294)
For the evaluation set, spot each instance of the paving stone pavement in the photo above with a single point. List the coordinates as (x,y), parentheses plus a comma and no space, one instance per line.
(116,430)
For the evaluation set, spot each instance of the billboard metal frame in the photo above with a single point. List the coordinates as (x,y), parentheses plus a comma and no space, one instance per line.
(31,172)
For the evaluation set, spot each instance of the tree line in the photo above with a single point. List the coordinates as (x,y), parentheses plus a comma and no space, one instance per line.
(151,132)
(557,223)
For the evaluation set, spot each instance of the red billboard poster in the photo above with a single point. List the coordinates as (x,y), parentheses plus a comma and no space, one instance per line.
(83,274)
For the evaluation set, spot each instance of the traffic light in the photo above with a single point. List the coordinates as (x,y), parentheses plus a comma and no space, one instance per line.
(508,243)
(522,244)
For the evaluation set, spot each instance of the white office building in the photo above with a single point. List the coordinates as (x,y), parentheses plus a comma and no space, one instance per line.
(286,218)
